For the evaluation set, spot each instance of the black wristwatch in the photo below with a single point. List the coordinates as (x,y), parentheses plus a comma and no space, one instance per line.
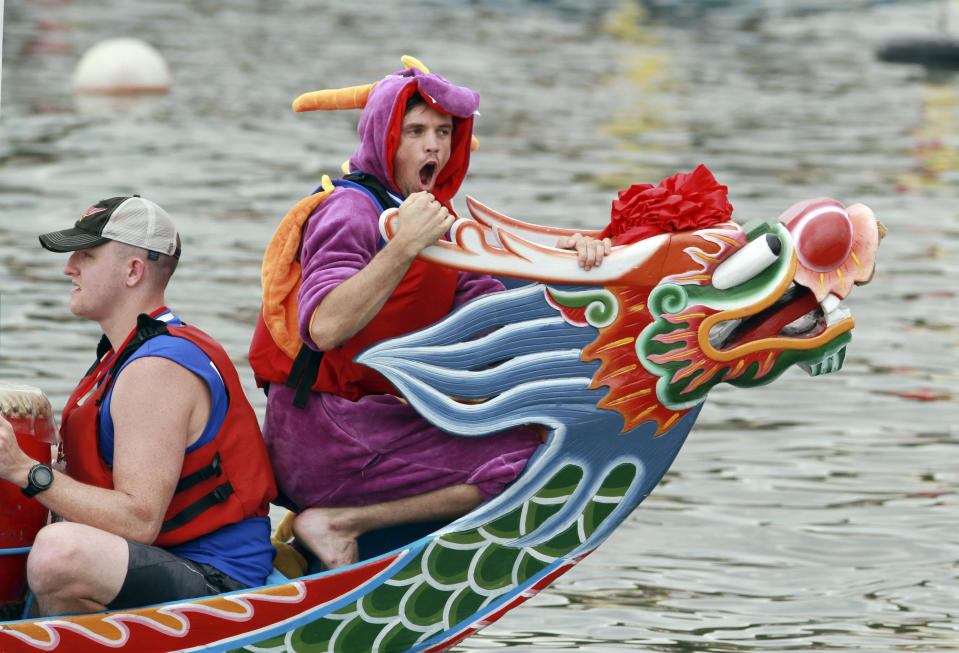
(38,480)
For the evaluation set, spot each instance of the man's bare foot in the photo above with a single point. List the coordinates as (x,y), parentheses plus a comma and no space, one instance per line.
(322,531)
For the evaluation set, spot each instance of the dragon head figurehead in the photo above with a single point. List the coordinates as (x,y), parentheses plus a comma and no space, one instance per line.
(734,304)
(679,312)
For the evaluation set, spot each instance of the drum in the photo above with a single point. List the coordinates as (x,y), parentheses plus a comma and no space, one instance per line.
(28,411)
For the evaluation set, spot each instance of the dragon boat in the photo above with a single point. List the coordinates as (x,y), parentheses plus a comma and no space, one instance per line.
(615,365)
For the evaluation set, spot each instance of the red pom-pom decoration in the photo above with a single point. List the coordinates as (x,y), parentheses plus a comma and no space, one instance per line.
(684,201)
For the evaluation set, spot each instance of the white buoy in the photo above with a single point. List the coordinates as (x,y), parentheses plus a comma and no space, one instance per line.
(122,66)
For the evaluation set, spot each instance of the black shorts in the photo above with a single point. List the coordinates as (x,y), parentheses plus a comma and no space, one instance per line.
(155,575)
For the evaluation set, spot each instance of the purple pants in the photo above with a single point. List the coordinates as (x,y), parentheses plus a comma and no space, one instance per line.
(336,452)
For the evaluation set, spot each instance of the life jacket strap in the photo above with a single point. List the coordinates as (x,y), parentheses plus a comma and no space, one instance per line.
(215,468)
(219,494)
(303,373)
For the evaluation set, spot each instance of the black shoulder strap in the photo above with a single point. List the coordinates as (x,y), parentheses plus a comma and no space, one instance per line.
(374,186)
(146,328)
(102,348)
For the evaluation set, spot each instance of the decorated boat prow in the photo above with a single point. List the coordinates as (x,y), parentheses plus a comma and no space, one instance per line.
(614,363)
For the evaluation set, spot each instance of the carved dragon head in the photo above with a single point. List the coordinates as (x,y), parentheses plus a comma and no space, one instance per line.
(681,312)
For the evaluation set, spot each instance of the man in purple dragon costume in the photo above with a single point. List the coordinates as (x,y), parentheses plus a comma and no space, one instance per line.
(351,456)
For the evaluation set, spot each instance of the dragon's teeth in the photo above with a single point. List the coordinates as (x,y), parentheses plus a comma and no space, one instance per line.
(830,302)
(834,310)
(837,315)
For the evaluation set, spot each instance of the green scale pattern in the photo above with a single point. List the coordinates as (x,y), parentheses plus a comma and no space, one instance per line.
(459,573)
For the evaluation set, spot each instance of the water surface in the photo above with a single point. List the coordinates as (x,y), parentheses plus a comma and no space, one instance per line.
(813,514)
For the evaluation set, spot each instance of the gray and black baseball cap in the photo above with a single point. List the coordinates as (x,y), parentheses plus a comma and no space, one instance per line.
(132,220)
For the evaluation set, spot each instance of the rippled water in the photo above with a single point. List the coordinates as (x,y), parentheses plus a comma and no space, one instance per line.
(813,514)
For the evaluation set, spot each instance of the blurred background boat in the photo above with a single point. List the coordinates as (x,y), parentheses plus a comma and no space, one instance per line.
(938,51)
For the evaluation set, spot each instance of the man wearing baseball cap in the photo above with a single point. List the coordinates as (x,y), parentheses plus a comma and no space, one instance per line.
(166,484)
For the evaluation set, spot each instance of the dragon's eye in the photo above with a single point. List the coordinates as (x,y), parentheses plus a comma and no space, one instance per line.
(835,246)
(823,235)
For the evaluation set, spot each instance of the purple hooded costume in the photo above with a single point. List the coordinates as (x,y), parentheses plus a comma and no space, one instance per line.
(337,452)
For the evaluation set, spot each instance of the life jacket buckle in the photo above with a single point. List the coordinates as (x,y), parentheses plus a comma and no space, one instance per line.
(222,492)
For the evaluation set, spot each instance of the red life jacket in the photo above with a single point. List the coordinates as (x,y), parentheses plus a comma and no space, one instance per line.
(277,355)
(222,482)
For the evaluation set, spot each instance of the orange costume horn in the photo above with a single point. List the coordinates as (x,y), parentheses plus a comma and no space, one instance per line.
(351,97)
(334,99)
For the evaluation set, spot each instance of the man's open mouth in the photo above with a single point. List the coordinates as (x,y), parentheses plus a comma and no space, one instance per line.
(427,173)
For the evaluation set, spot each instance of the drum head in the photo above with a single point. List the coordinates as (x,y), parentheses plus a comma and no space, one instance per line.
(25,403)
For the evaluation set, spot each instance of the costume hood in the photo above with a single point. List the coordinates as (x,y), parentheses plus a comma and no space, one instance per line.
(382,119)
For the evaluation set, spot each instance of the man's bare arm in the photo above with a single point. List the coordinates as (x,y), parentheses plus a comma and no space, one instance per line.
(156,404)
(351,305)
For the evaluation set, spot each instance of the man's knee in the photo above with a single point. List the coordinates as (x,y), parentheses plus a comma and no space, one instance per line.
(63,553)
(52,558)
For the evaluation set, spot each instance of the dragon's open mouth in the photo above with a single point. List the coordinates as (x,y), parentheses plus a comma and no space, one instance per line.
(796,314)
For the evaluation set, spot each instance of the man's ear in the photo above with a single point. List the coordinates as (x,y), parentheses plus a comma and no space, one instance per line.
(136,271)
